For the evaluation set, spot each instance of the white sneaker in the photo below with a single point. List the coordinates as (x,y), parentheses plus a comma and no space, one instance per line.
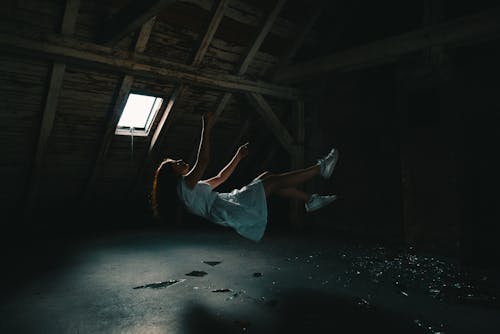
(328,163)
(318,201)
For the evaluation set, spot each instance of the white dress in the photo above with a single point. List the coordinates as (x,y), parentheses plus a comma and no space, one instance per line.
(244,209)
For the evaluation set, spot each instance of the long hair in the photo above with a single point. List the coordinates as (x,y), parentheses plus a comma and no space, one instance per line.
(164,199)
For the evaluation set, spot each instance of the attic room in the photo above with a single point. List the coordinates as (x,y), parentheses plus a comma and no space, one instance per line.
(359,137)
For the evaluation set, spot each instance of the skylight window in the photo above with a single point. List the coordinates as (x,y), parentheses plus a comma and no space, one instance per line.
(138,115)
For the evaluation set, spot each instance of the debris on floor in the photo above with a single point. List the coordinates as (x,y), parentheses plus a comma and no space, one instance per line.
(414,272)
(159,285)
(222,290)
(257,274)
(197,273)
(212,263)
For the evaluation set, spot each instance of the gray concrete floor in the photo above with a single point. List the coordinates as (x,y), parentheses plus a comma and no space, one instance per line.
(306,282)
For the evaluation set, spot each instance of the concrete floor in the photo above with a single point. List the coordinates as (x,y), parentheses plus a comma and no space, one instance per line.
(288,283)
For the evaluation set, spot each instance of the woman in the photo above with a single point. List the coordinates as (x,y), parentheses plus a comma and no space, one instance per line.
(245,209)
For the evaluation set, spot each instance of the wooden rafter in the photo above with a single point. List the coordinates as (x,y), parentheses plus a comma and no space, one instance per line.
(465,30)
(51,103)
(259,39)
(296,44)
(130,18)
(217,13)
(139,65)
(213,25)
(163,125)
(252,50)
(201,49)
(244,12)
(272,121)
(119,104)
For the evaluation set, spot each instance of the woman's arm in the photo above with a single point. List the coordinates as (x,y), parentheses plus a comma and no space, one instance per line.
(226,172)
(203,157)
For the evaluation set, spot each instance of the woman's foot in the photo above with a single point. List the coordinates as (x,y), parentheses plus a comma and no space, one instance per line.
(327,164)
(317,202)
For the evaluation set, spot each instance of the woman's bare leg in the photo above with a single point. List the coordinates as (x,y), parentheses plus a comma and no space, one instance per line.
(293,193)
(272,182)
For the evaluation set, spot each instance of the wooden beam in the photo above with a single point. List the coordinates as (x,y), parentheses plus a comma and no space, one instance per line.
(213,25)
(130,18)
(247,59)
(458,32)
(139,65)
(69,18)
(267,113)
(144,34)
(294,47)
(291,51)
(50,108)
(266,27)
(236,141)
(163,125)
(246,13)
(116,111)
(120,101)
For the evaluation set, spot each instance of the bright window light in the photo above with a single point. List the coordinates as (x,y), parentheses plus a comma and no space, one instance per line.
(138,115)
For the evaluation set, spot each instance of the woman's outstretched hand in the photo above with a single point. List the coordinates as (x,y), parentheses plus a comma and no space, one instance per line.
(243,150)
(208,120)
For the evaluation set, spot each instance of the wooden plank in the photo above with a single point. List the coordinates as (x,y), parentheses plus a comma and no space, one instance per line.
(162,124)
(158,136)
(242,133)
(50,108)
(69,19)
(130,18)
(204,43)
(458,32)
(246,13)
(101,57)
(289,53)
(221,104)
(249,56)
(265,110)
(266,27)
(144,34)
(216,17)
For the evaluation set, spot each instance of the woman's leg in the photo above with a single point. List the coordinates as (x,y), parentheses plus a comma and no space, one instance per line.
(272,182)
(293,193)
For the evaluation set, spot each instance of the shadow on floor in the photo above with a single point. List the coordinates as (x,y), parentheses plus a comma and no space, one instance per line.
(303,311)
